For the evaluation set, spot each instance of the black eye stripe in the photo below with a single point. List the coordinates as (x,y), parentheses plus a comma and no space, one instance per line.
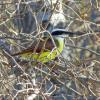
(61,32)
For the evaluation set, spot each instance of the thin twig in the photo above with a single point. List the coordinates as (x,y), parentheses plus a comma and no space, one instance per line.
(94,52)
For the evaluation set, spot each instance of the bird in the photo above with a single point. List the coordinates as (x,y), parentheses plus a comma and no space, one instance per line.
(47,48)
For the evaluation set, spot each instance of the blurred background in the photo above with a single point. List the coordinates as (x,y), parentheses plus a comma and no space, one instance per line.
(75,74)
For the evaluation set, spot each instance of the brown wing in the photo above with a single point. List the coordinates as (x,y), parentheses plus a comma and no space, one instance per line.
(38,46)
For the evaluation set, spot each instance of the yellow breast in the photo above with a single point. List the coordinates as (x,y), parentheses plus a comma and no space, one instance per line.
(47,56)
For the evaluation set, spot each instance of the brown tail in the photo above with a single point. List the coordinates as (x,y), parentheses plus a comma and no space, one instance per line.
(23,52)
(16,54)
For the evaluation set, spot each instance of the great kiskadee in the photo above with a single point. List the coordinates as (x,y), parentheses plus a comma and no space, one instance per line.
(47,48)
